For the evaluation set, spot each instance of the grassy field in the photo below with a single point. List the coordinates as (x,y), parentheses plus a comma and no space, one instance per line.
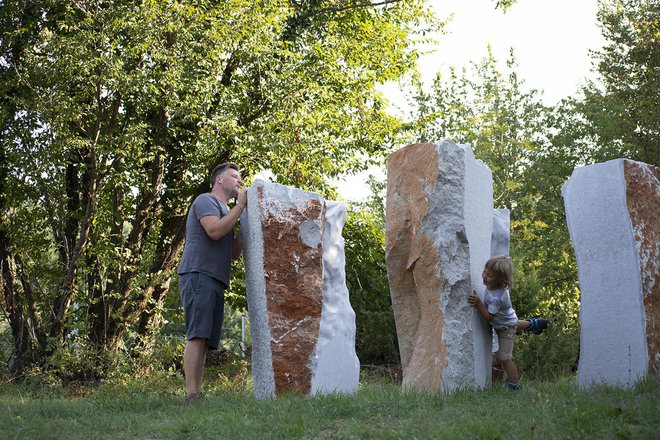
(380,410)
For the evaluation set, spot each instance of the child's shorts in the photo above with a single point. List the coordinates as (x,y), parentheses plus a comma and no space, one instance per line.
(505,337)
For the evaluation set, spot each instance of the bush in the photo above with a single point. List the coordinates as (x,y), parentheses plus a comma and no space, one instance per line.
(366,278)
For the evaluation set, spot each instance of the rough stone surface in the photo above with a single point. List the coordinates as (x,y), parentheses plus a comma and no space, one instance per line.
(438,234)
(282,230)
(613,212)
(643,201)
(335,366)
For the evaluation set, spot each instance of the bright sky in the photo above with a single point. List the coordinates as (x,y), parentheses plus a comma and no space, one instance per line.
(551,40)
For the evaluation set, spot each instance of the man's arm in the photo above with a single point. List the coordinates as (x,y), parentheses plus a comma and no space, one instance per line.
(218,227)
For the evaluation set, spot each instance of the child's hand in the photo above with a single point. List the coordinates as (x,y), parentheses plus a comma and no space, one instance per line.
(473,298)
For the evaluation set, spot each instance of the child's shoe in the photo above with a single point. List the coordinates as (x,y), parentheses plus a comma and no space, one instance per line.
(513,386)
(537,325)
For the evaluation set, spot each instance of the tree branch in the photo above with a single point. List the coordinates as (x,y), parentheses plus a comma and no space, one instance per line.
(353,6)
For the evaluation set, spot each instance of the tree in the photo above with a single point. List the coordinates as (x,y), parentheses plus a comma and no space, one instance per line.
(114,111)
(489,110)
(622,108)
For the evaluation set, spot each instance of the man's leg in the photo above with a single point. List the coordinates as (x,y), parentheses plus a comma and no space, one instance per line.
(194,357)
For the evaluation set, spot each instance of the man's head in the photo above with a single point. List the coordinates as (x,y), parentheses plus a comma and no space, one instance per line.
(227,177)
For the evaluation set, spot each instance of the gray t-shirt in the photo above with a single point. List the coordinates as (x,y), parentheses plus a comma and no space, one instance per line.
(498,303)
(201,252)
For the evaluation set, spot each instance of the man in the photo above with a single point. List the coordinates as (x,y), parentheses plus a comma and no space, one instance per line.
(205,268)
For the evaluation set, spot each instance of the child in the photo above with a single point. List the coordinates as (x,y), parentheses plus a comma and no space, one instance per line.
(496,308)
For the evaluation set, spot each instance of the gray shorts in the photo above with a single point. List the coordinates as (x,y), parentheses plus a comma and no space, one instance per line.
(505,338)
(203,299)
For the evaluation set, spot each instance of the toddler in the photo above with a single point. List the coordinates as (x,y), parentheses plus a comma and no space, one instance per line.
(496,308)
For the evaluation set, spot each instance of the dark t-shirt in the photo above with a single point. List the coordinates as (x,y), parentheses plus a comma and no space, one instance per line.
(202,253)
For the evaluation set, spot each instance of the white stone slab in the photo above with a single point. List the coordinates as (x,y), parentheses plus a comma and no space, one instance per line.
(501,236)
(499,245)
(255,286)
(613,346)
(335,366)
(477,217)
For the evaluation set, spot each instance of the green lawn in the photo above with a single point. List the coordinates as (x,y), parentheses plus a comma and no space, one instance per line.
(378,411)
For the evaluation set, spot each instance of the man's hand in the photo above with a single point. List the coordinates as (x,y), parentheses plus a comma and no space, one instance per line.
(241,199)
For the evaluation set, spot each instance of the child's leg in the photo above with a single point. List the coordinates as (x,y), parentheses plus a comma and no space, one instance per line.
(505,337)
(532,325)
(523,324)
(511,370)
(497,370)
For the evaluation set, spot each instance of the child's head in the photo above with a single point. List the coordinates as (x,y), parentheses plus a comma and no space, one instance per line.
(498,272)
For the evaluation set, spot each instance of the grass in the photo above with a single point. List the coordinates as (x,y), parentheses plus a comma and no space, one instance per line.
(380,410)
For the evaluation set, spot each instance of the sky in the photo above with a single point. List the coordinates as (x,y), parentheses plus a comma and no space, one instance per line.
(551,40)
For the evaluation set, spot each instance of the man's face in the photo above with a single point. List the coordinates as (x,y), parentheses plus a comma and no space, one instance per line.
(230,182)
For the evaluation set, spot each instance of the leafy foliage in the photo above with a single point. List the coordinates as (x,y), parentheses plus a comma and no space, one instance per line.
(114,111)
(366,278)
(622,109)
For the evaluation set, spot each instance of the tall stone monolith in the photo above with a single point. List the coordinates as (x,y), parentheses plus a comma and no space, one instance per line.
(335,366)
(613,216)
(438,234)
(282,230)
(302,323)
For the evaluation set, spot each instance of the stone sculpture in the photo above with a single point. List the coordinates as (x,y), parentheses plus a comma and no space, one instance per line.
(282,232)
(501,235)
(438,235)
(297,315)
(613,216)
(499,244)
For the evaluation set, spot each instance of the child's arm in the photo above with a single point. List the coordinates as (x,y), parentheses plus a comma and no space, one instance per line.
(474,300)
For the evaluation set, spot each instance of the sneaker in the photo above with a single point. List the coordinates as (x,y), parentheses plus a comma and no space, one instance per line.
(513,386)
(537,325)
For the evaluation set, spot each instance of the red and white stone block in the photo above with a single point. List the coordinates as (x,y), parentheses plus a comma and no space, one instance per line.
(293,347)
(613,216)
(438,235)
